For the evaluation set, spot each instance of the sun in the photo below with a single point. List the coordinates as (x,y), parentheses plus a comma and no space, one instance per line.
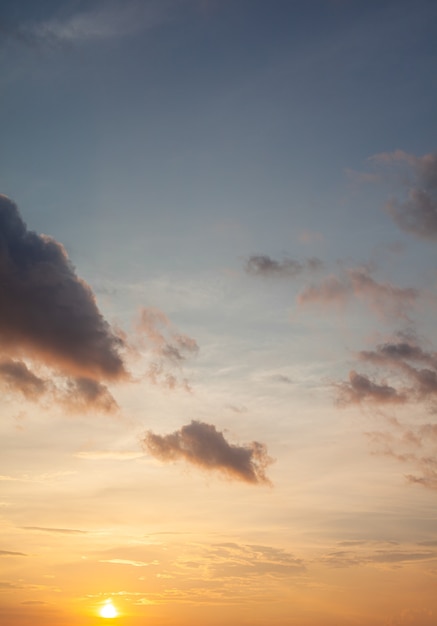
(108,610)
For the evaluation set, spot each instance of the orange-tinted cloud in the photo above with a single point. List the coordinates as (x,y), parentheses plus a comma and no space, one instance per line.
(203,445)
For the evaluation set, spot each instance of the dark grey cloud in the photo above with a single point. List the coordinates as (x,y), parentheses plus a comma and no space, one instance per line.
(9,553)
(203,445)
(416,211)
(48,313)
(263,265)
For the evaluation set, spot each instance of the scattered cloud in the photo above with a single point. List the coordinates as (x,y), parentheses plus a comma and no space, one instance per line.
(416,212)
(203,445)
(397,358)
(384,299)
(263,265)
(412,445)
(413,371)
(9,553)
(169,348)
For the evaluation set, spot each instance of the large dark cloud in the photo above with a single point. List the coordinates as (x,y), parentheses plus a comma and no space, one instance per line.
(47,312)
(203,445)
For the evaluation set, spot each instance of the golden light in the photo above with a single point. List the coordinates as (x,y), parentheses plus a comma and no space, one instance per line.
(108,610)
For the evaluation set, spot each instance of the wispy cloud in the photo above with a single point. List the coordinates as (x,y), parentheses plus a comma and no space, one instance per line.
(100,21)
(113,455)
(56,531)
(203,445)
(129,562)
(239,560)
(351,558)
(263,265)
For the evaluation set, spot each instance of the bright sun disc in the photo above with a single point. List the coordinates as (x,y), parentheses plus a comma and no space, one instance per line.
(108,610)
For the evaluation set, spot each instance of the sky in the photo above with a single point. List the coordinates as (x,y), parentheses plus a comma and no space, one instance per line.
(218,292)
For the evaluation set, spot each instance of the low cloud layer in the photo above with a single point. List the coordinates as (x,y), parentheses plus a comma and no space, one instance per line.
(203,445)
(416,211)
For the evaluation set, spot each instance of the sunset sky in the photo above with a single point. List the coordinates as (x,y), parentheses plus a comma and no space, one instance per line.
(218,293)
